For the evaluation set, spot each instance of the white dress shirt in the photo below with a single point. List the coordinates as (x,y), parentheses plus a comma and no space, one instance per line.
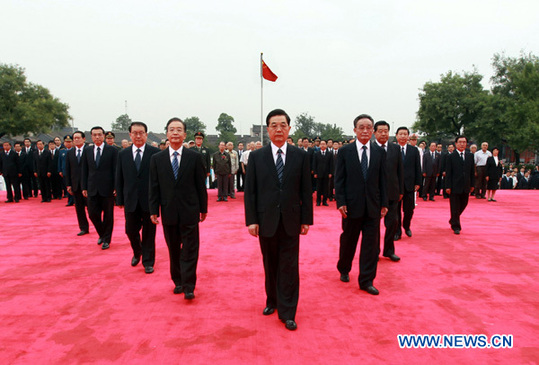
(359,146)
(274,153)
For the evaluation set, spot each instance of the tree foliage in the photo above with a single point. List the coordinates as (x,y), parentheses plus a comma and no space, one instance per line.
(226,129)
(122,123)
(305,126)
(194,124)
(26,107)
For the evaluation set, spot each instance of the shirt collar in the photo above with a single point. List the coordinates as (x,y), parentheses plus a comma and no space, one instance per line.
(360,145)
(135,148)
(171,151)
(274,148)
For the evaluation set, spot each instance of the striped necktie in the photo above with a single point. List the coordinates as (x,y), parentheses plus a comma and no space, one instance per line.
(279,166)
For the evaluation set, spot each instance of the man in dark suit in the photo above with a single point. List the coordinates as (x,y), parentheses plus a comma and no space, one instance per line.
(73,177)
(431,170)
(443,164)
(11,170)
(310,152)
(278,208)
(177,185)
(132,186)
(460,175)
(412,181)
(98,174)
(361,192)
(42,170)
(222,169)
(68,144)
(323,171)
(56,186)
(395,186)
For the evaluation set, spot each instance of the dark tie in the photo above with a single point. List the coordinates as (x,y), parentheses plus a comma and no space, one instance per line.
(384,147)
(462,156)
(279,165)
(137,159)
(364,163)
(175,165)
(323,153)
(98,156)
(78,155)
(403,154)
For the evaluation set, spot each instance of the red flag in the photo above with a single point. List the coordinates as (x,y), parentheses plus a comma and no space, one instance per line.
(267,73)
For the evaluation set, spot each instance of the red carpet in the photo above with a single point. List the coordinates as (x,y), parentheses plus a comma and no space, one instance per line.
(64,300)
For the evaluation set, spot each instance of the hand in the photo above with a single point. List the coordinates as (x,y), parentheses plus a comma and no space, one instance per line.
(304,229)
(383,212)
(114,192)
(203,216)
(343,211)
(85,193)
(330,176)
(35,174)
(316,176)
(471,189)
(49,174)
(208,174)
(448,191)
(416,187)
(70,190)
(253,230)
(154,219)
(443,174)
(243,169)
(121,206)
(20,175)
(486,178)
(61,174)
(424,174)
(400,197)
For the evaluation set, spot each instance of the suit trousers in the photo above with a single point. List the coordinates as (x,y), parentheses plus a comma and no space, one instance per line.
(183,246)
(331,194)
(142,245)
(222,185)
(56,186)
(369,228)
(35,185)
(45,186)
(391,222)
(231,191)
(481,181)
(13,182)
(240,178)
(101,213)
(457,203)
(26,183)
(80,208)
(407,205)
(322,189)
(430,185)
(280,254)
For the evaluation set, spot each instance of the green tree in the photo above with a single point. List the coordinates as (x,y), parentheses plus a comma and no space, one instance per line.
(194,125)
(330,131)
(26,107)
(226,129)
(449,107)
(122,123)
(305,126)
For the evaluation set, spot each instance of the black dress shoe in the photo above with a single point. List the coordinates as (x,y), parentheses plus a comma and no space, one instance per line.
(16,200)
(178,289)
(397,237)
(219,199)
(148,269)
(189,296)
(371,290)
(232,197)
(408,233)
(394,257)
(432,200)
(456,231)
(69,205)
(225,199)
(325,204)
(317,204)
(268,310)
(135,260)
(9,201)
(425,198)
(105,246)
(82,233)
(290,324)
(100,241)
(345,278)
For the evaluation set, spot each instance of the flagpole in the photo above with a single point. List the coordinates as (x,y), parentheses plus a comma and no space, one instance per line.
(261,102)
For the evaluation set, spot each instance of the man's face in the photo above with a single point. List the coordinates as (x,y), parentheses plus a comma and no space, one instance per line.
(6,146)
(450,148)
(278,130)
(461,144)
(336,146)
(176,134)
(230,146)
(413,141)
(422,145)
(323,145)
(305,143)
(68,144)
(258,145)
(330,144)
(240,146)
(432,147)
(40,145)
(222,147)
(382,134)
(162,146)
(363,130)
(57,142)
(125,142)
(198,141)
(52,146)
(110,141)
(18,147)
(138,135)
(402,137)
(97,137)
(473,148)
(439,148)
(27,143)
(78,140)
(317,143)
(484,146)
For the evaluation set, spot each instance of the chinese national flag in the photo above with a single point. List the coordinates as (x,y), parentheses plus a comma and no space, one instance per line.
(267,73)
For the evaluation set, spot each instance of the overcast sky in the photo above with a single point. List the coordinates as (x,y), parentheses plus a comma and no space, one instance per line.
(335,59)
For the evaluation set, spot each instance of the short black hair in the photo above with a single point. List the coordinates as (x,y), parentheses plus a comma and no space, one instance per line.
(97,127)
(329,139)
(52,141)
(81,134)
(7,142)
(27,139)
(305,138)
(139,124)
(176,119)
(361,116)
(402,129)
(17,143)
(495,148)
(276,112)
(381,122)
(459,137)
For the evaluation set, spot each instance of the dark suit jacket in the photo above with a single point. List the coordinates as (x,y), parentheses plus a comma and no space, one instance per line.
(132,186)
(221,166)
(55,159)
(73,169)
(394,172)
(352,190)
(181,200)
(507,183)
(10,164)
(266,201)
(494,172)
(205,157)
(99,180)
(412,168)
(28,166)
(460,175)
(323,165)
(43,163)
(431,166)
(310,152)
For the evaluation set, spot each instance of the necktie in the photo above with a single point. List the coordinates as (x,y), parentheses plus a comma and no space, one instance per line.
(98,156)
(433,156)
(323,153)
(40,152)
(403,154)
(137,159)
(384,147)
(279,165)
(364,163)
(175,165)
(78,155)
(462,156)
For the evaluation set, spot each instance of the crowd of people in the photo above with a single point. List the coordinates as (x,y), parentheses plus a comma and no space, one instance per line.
(368,178)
